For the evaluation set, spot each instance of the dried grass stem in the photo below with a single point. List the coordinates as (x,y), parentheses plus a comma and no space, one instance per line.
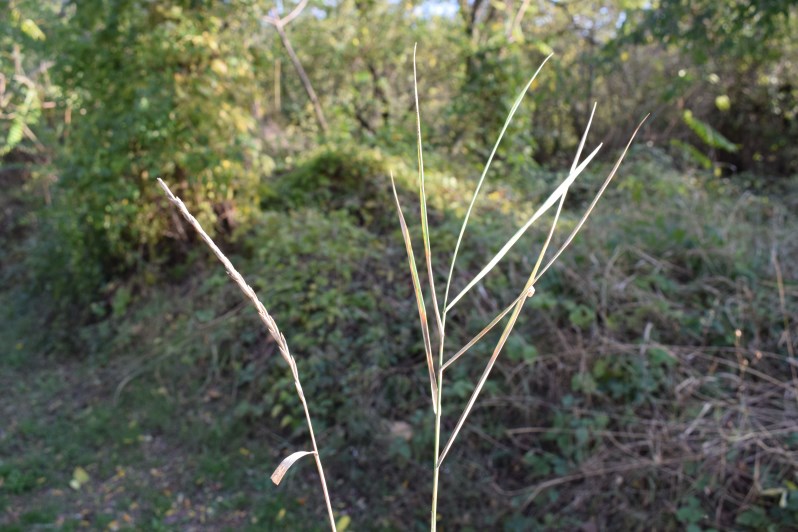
(271,326)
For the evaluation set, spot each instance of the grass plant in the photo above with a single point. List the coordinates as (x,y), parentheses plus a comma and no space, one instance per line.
(436,370)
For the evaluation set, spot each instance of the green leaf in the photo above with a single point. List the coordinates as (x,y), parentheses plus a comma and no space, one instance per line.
(343,523)
(14,135)
(661,356)
(691,152)
(708,134)
(581,316)
(754,517)
(33,31)
(691,512)
(600,368)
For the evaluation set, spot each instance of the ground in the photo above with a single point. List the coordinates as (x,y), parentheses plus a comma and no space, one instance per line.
(77,456)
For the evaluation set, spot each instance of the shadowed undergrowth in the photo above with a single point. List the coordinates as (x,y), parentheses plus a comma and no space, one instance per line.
(647,384)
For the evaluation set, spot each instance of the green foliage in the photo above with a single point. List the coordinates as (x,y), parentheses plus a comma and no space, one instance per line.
(161,90)
(324,262)
(175,90)
(705,26)
(358,56)
(336,178)
(731,65)
(24,86)
(619,340)
(690,513)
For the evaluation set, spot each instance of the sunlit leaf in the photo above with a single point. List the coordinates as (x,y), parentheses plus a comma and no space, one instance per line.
(559,191)
(79,478)
(30,29)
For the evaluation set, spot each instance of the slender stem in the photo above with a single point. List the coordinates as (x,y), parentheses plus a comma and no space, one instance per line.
(317,457)
(438,414)
(270,324)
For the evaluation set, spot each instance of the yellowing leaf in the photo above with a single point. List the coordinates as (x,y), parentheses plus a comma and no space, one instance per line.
(219,66)
(79,478)
(343,523)
(80,475)
(30,29)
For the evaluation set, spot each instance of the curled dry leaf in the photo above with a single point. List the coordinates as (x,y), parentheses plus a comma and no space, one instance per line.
(286,464)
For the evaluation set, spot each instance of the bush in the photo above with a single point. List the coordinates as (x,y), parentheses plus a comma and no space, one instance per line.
(157,90)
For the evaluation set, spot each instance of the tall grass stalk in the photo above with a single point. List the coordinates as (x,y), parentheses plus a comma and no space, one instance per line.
(282,345)
(436,372)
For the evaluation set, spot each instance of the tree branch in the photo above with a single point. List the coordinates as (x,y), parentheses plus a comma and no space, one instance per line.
(279,24)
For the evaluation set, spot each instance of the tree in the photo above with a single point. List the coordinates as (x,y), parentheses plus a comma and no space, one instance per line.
(160,89)
(737,72)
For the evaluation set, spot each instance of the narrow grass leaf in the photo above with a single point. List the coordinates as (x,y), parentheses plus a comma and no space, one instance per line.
(592,205)
(286,464)
(545,246)
(423,202)
(537,277)
(482,333)
(422,312)
(583,139)
(505,334)
(511,242)
(510,116)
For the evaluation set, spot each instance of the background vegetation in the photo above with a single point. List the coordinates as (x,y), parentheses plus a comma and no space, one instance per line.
(651,383)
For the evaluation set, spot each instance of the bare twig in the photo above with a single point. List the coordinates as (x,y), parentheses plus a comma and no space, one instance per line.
(516,22)
(279,24)
(774,257)
(275,19)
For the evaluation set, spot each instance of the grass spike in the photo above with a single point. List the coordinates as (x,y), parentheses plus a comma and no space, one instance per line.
(278,337)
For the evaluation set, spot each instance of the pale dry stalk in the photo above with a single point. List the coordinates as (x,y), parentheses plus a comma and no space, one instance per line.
(275,333)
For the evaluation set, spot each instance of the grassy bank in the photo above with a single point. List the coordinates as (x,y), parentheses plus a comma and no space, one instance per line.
(647,384)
